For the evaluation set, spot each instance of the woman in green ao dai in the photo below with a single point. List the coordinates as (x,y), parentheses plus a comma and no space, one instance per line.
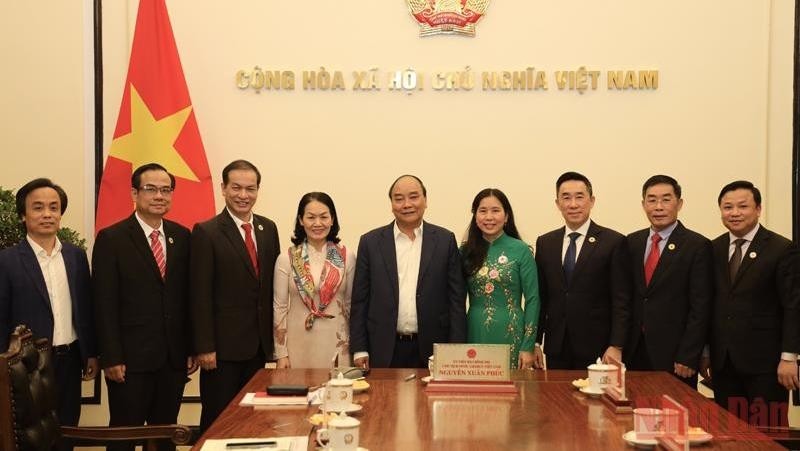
(501,279)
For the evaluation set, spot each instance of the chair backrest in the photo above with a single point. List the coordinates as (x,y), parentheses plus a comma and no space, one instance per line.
(28,398)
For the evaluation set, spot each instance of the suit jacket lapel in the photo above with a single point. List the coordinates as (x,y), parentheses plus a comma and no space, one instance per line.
(70,265)
(721,257)
(33,269)
(262,245)
(587,248)
(429,243)
(637,245)
(169,235)
(555,248)
(228,228)
(136,234)
(673,245)
(389,254)
(759,241)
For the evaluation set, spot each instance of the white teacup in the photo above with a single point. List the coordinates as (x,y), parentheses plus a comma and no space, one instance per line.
(341,434)
(338,394)
(602,375)
(649,423)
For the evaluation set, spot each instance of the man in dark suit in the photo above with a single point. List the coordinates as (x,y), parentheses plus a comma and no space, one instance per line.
(584,284)
(673,287)
(140,269)
(44,284)
(233,257)
(755,326)
(408,291)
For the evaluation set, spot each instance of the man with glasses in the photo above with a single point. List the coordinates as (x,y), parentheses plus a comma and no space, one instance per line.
(140,271)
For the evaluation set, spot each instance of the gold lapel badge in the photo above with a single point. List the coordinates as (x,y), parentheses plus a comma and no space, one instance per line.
(671,246)
(753,255)
(447,16)
(171,241)
(261,227)
(592,239)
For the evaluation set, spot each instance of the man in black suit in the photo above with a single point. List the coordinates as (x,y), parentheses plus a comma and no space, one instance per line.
(140,269)
(408,291)
(755,334)
(233,257)
(673,287)
(45,285)
(584,284)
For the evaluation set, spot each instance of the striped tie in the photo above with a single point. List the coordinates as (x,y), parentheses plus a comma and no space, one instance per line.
(158,252)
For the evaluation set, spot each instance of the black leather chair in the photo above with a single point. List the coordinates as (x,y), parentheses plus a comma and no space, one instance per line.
(28,414)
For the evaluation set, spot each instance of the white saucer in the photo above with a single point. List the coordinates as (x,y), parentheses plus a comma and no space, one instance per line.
(352,408)
(630,438)
(694,439)
(594,393)
(426,379)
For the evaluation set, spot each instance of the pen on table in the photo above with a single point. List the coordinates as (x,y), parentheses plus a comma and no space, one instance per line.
(251,445)
(410,377)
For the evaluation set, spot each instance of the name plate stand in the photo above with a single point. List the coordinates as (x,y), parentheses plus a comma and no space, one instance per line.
(471,368)
(615,396)
(675,416)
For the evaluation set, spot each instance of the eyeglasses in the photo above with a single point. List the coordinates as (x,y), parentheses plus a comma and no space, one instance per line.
(151,190)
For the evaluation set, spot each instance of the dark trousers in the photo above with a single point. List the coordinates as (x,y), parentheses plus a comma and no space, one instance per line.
(219,386)
(641,362)
(68,368)
(568,358)
(152,397)
(757,399)
(406,353)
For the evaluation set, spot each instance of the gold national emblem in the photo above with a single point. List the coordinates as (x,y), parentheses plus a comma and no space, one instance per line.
(447,16)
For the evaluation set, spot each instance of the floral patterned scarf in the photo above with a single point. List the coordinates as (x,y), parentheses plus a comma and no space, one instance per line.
(330,279)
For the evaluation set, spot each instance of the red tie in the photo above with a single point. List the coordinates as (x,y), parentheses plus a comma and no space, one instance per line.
(250,245)
(652,259)
(158,252)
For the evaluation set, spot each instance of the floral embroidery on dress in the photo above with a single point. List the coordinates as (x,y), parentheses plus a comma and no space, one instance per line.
(493,280)
(496,292)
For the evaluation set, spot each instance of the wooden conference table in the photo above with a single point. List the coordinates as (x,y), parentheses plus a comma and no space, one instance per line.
(547,414)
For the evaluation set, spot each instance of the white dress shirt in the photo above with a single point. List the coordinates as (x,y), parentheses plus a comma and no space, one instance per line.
(148,230)
(239,223)
(661,244)
(409,254)
(748,238)
(583,231)
(55,278)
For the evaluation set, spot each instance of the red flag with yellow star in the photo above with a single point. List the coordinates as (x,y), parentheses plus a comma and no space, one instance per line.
(156,124)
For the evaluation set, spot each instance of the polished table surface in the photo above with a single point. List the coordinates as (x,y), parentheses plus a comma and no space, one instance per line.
(547,414)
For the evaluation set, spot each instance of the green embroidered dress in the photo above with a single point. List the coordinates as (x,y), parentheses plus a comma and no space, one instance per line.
(496,291)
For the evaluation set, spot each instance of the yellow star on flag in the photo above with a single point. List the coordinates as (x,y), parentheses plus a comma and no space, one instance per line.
(152,140)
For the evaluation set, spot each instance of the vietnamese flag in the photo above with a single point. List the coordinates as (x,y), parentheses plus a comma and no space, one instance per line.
(156,124)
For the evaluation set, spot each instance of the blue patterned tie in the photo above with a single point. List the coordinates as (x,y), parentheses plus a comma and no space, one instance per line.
(569,257)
